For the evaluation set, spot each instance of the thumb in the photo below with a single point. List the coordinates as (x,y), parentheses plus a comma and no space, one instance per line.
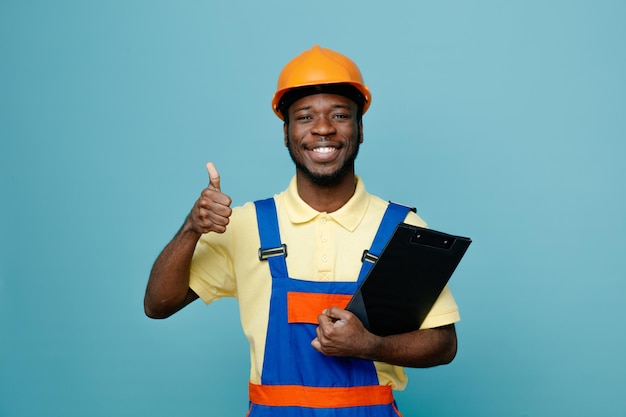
(214,176)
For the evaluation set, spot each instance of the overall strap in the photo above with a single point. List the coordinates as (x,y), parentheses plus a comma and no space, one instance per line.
(394,214)
(272,250)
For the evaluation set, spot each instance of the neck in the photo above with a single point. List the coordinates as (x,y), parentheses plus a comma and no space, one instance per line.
(326,198)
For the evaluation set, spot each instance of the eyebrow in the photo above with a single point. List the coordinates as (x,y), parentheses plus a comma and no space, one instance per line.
(333,106)
(302,108)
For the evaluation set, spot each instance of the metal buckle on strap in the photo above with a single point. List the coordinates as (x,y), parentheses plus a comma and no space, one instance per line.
(265,254)
(367,256)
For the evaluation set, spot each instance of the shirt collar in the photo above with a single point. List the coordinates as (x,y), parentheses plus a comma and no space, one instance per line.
(349,216)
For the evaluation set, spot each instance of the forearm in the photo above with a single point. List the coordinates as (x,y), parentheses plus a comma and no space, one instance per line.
(168,286)
(341,333)
(418,349)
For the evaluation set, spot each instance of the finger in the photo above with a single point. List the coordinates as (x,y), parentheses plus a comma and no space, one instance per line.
(334,313)
(315,343)
(214,176)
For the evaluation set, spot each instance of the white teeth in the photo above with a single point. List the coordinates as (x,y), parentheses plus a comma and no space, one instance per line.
(324,150)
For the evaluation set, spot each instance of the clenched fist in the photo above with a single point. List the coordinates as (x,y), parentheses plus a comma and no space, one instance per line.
(211,212)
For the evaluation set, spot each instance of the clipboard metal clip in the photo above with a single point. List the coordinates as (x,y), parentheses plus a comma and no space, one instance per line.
(265,254)
(368,257)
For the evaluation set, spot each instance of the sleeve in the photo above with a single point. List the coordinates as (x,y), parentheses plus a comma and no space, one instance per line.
(445,310)
(212,273)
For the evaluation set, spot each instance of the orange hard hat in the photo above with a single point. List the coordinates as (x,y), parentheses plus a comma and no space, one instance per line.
(319,66)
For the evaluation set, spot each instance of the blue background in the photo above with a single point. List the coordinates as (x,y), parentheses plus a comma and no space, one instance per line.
(503,121)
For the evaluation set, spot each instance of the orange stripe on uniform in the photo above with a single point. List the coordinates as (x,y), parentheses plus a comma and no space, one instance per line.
(319,397)
(304,307)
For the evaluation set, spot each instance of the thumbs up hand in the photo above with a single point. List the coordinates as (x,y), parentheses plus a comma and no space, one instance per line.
(211,212)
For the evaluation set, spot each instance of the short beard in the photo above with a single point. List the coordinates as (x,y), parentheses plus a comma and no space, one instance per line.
(327,180)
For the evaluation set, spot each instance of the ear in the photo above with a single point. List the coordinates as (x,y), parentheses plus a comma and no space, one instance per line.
(360,131)
(286,134)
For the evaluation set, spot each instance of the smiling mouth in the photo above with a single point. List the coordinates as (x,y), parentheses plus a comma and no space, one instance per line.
(324,150)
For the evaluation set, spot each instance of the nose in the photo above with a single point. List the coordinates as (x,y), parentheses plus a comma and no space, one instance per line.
(323,127)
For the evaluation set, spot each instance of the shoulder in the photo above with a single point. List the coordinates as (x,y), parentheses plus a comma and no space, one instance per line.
(245,216)
(244,211)
(379,205)
(415,220)
(248,210)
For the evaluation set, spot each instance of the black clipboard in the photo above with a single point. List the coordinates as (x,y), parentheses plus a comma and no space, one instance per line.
(406,279)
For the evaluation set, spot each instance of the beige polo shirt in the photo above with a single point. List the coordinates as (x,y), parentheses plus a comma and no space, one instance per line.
(320,246)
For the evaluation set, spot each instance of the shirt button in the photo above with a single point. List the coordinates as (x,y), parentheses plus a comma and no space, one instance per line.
(324,258)
(323,221)
(324,239)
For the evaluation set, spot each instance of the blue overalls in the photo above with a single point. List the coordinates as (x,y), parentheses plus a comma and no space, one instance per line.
(296,380)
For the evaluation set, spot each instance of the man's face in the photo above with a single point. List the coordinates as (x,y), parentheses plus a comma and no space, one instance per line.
(323,137)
